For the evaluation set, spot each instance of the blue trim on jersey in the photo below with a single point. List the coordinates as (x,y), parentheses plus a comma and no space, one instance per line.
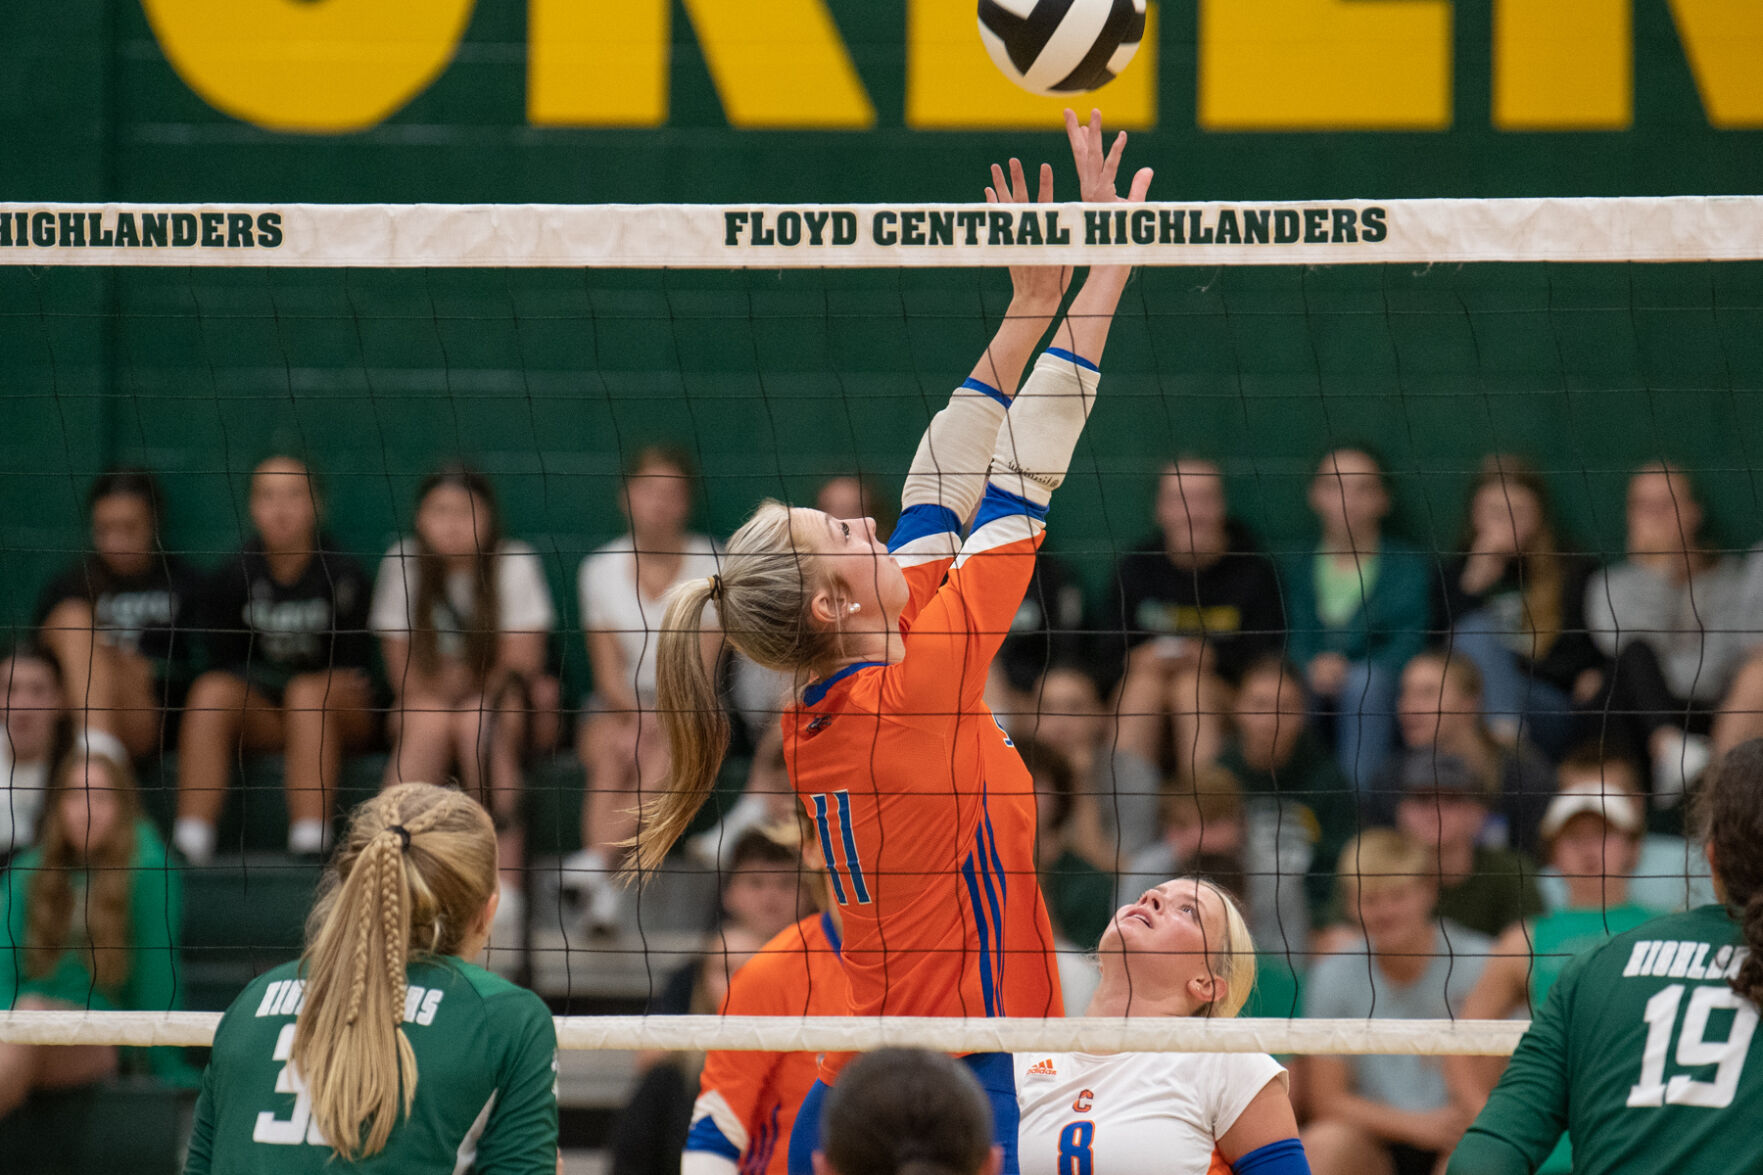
(922,521)
(1003,882)
(707,1136)
(996,1073)
(1285,1157)
(1072,357)
(826,846)
(850,838)
(831,929)
(805,1134)
(980,385)
(759,1153)
(987,863)
(816,693)
(985,946)
(1001,503)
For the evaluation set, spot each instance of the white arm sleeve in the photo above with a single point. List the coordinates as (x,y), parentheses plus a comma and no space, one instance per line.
(706,1163)
(949,468)
(1035,445)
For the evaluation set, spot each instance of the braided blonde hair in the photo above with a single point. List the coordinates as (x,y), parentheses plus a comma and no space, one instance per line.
(411,879)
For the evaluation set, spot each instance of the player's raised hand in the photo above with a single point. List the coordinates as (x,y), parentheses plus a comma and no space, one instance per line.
(1098,164)
(1036,289)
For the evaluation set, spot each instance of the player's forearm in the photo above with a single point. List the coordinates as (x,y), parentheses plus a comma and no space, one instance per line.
(1085,329)
(1013,346)
(1483,1154)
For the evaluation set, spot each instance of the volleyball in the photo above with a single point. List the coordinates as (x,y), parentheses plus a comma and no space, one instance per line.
(1061,46)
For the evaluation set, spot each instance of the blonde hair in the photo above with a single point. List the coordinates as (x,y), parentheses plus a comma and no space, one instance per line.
(1233,963)
(412,878)
(769,575)
(1378,857)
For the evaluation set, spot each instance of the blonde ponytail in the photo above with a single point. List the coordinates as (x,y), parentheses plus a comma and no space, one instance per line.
(693,719)
(769,575)
(412,879)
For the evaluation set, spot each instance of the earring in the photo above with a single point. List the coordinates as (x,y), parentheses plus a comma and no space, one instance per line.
(855,608)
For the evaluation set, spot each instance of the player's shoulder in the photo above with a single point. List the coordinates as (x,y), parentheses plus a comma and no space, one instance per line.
(492,991)
(1711,924)
(254,1001)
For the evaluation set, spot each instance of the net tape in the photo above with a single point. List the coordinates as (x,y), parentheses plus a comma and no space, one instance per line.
(857,1033)
(773,236)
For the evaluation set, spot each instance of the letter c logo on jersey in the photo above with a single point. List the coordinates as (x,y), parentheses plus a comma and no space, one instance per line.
(1082,1104)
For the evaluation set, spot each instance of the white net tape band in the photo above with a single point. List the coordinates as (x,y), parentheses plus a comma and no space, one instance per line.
(841,1034)
(772,236)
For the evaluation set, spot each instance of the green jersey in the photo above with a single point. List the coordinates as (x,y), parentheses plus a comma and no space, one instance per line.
(1644,1052)
(486,1090)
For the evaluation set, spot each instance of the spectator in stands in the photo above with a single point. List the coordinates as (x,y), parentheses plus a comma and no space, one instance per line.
(1047,631)
(1079,896)
(623,588)
(1301,811)
(1439,712)
(463,614)
(285,621)
(852,495)
(1592,832)
(1358,606)
(1671,615)
(1514,604)
(1670,872)
(91,916)
(906,1110)
(762,885)
(650,1132)
(35,731)
(1444,808)
(1388,1115)
(1070,718)
(1197,604)
(1202,832)
(117,620)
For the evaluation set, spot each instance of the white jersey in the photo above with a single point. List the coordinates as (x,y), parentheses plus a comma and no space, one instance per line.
(612,602)
(1133,1113)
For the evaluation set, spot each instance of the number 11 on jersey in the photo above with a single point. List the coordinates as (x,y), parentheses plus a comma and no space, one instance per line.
(851,867)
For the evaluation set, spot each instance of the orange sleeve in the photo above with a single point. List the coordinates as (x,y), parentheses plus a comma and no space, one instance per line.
(951,641)
(737,1085)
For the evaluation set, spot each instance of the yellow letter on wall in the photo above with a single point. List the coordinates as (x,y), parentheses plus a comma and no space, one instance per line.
(597,62)
(317,68)
(1563,65)
(1724,42)
(951,83)
(776,63)
(1268,65)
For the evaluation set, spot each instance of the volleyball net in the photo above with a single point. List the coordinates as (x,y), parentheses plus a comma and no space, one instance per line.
(772,350)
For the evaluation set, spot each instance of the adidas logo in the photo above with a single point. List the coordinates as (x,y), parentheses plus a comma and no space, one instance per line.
(1043,1069)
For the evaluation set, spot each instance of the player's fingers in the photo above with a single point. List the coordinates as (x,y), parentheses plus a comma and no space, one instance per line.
(1046,195)
(998,185)
(1141,185)
(1111,165)
(991,196)
(1018,182)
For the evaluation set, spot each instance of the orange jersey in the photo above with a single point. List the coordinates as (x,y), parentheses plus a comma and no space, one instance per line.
(747,1101)
(925,812)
